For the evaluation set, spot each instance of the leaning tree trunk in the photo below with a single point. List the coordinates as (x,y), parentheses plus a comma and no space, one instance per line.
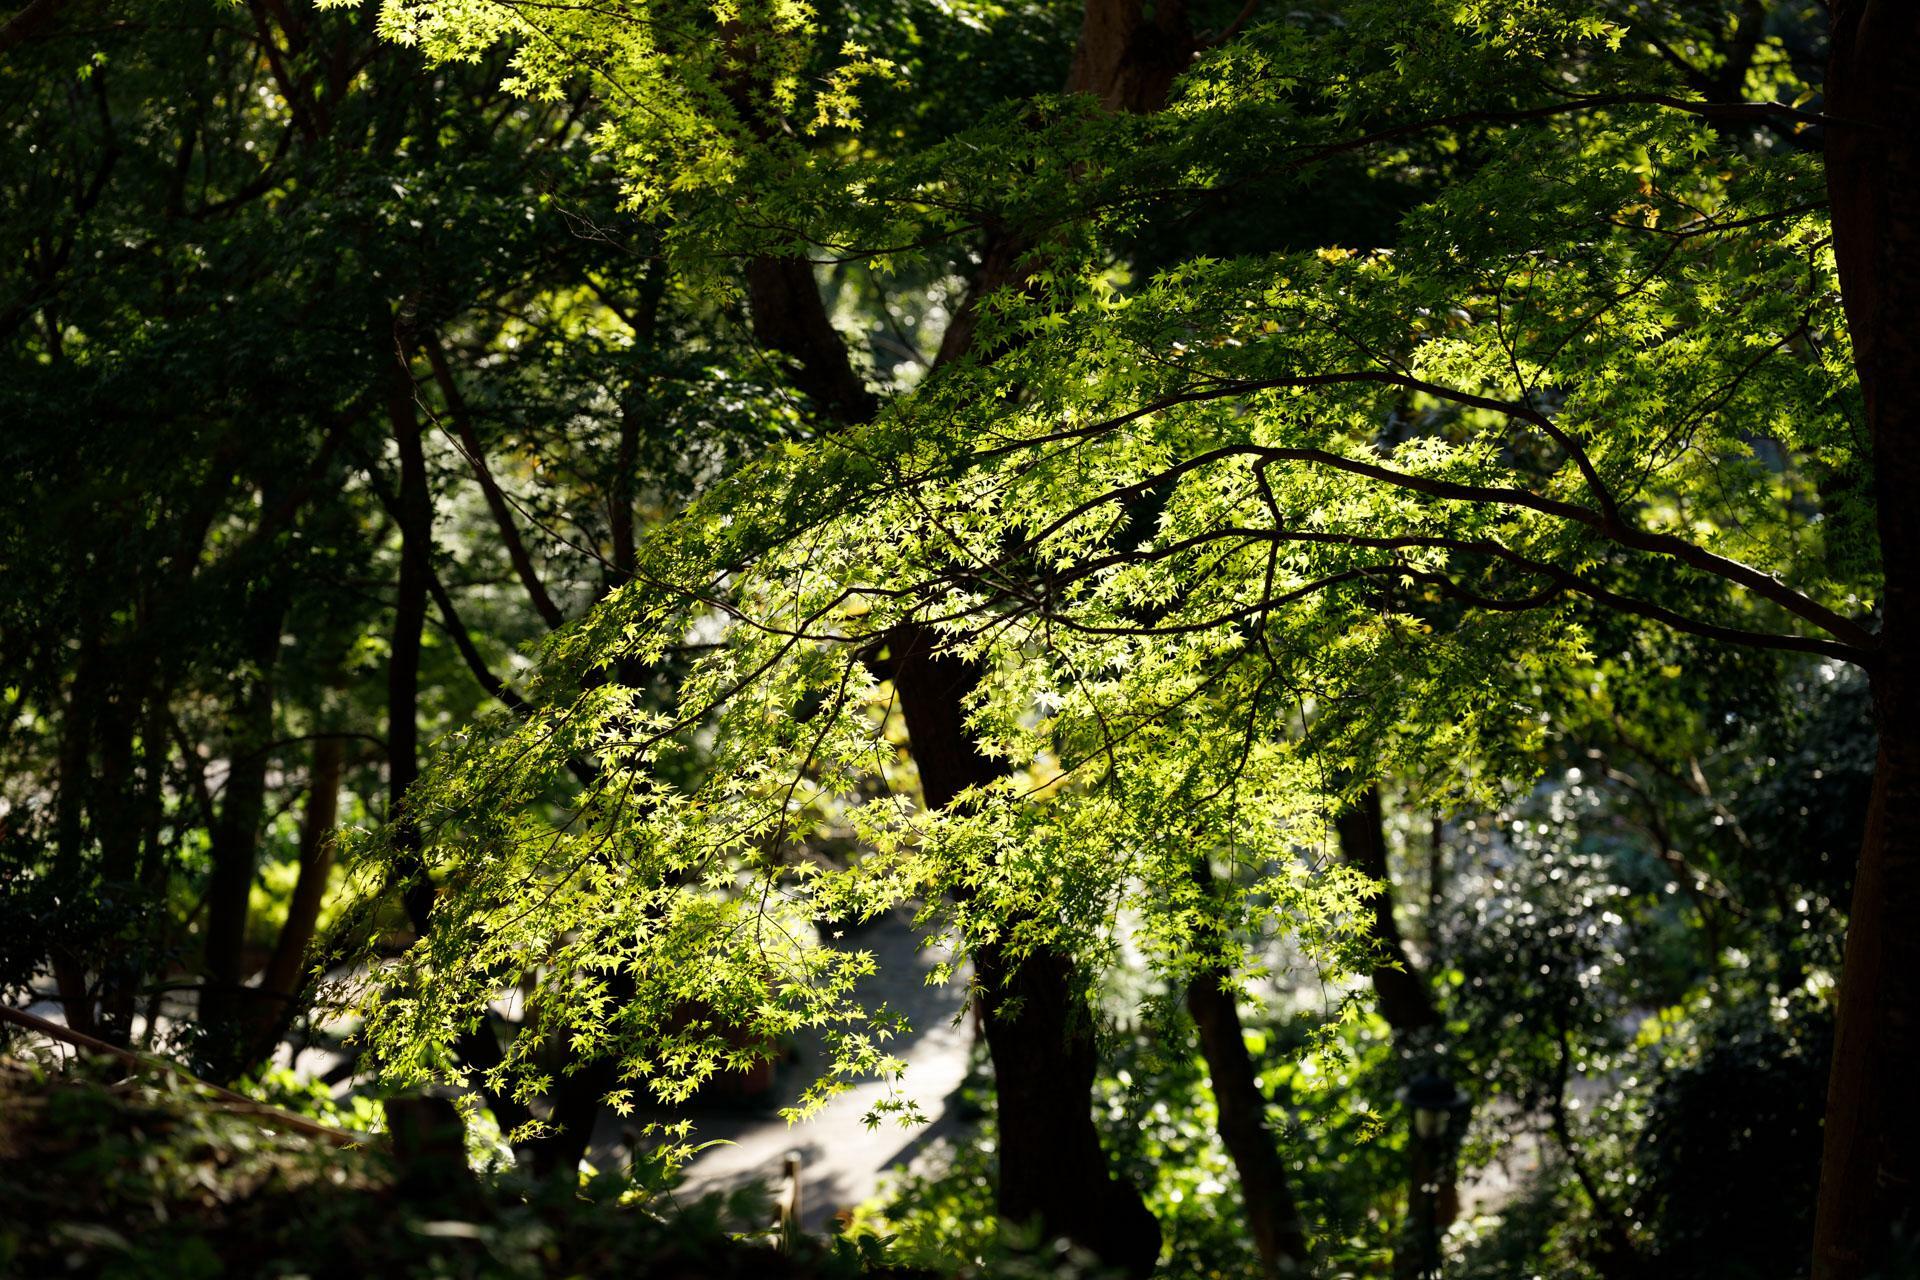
(1273,1215)
(273,1002)
(1870,1168)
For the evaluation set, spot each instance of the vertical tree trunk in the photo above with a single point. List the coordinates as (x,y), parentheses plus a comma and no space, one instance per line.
(1040,1033)
(235,850)
(414,515)
(116,807)
(1870,1166)
(70,827)
(1406,1003)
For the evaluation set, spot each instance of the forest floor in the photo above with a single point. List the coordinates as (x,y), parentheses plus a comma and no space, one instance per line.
(844,1160)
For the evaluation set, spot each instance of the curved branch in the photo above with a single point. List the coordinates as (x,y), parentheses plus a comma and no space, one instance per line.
(475,453)
(1606,520)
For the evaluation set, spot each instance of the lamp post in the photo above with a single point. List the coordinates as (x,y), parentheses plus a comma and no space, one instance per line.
(1436,1108)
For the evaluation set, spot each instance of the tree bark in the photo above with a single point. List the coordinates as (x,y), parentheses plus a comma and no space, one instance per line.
(622,491)
(235,849)
(1405,1000)
(1870,1165)
(1040,1032)
(789,317)
(1272,1213)
(281,980)
(117,808)
(1053,1171)
(1127,59)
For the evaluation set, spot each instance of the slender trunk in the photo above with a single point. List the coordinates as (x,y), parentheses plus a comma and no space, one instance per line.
(1436,885)
(1405,1001)
(117,811)
(414,515)
(621,493)
(620,496)
(283,977)
(156,848)
(70,830)
(1870,1166)
(1272,1213)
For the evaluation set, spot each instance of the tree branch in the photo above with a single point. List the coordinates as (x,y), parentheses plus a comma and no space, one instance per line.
(475,454)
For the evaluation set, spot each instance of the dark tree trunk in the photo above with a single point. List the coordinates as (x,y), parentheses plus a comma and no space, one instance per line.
(236,848)
(70,828)
(574,1104)
(414,515)
(621,493)
(284,976)
(1401,989)
(1127,59)
(789,317)
(1272,1213)
(1040,1032)
(1870,1167)
(117,807)
(1405,1001)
